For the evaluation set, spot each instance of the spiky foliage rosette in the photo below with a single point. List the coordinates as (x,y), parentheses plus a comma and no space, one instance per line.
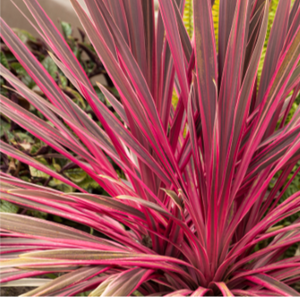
(191,211)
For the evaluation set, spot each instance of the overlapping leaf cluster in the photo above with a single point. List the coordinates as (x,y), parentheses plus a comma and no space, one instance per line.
(19,138)
(195,201)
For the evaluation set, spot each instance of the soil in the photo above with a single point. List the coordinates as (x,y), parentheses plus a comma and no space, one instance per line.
(14,291)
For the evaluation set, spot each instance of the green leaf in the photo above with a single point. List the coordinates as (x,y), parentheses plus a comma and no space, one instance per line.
(50,66)
(37,214)
(24,137)
(76,175)
(4,127)
(24,35)
(76,50)
(10,57)
(25,178)
(61,186)
(23,75)
(100,94)
(18,68)
(88,184)
(50,123)
(67,29)
(3,91)
(63,81)
(83,294)
(37,145)
(3,60)
(51,275)
(6,206)
(78,99)
(37,173)
(114,91)
(57,219)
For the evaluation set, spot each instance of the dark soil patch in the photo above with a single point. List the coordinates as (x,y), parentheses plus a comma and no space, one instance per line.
(14,291)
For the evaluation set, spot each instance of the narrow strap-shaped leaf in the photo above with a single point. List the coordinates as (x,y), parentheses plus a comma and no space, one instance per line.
(15,274)
(109,204)
(248,292)
(125,283)
(118,12)
(101,288)
(95,256)
(128,96)
(134,145)
(273,285)
(38,228)
(206,66)
(273,152)
(254,30)
(278,84)
(160,62)
(280,212)
(164,68)
(232,77)
(135,21)
(11,151)
(56,40)
(14,183)
(287,242)
(48,206)
(138,113)
(288,109)
(35,69)
(200,250)
(149,29)
(199,205)
(71,62)
(30,282)
(39,203)
(292,29)
(133,70)
(223,288)
(293,12)
(240,114)
(53,137)
(164,101)
(275,45)
(226,15)
(182,292)
(50,140)
(115,103)
(63,281)
(168,14)
(39,103)
(81,287)
(36,101)
(212,195)
(13,242)
(200,292)
(157,294)
(185,39)
(262,180)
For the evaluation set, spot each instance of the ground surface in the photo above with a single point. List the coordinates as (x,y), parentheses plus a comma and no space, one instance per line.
(14,291)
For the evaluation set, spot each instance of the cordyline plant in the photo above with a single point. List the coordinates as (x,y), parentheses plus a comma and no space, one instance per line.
(195,202)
